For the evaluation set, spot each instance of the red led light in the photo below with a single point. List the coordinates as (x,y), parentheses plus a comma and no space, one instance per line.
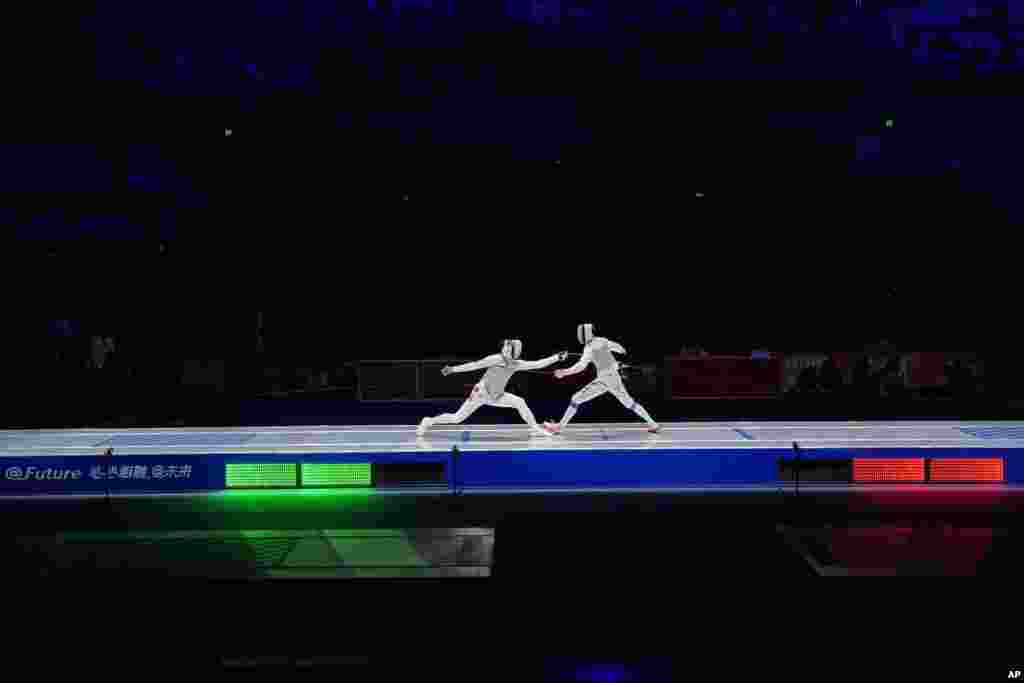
(967,470)
(882,470)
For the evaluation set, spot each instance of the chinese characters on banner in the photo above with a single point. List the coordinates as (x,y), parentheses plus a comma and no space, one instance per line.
(127,472)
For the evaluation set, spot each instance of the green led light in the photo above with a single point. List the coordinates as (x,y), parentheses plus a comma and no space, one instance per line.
(261,475)
(336,474)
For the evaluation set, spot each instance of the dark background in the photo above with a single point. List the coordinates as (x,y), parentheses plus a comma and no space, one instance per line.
(410,182)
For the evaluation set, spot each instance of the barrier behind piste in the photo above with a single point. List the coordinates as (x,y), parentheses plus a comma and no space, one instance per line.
(686,376)
(393,381)
(698,376)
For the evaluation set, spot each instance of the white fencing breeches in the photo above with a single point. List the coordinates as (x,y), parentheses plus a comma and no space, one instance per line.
(479,398)
(610,382)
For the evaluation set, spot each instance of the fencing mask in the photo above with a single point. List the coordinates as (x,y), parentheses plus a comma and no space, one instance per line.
(512,348)
(585,333)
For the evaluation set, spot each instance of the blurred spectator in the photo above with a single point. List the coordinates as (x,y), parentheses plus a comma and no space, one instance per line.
(960,378)
(890,378)
(99,348)
(863,378)
(830,379)
(807,382)
(112,356)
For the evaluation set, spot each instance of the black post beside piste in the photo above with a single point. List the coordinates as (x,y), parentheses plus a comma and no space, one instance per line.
(456,503)
(796,467)
(455,470)
(109,503)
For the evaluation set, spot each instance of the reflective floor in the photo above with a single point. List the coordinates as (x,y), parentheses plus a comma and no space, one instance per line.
(277,554)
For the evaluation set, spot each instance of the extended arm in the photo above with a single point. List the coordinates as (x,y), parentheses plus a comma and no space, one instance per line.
(580,365)
(539,364)
(475,365)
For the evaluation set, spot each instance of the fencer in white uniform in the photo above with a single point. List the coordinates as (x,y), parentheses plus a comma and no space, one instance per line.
(598,350)
(490,390)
